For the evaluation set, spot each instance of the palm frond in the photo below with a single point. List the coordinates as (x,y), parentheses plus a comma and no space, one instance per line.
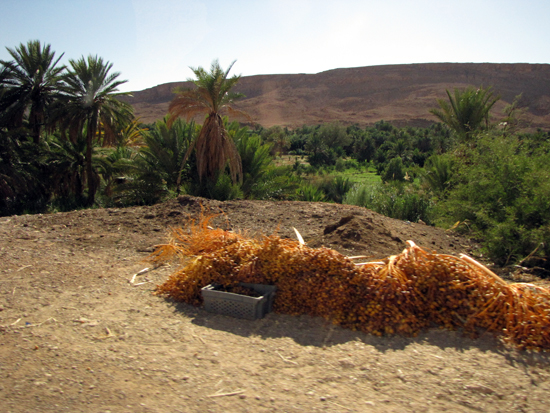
(466,111)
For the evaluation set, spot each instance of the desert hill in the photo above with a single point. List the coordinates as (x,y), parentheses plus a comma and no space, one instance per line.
(401,94)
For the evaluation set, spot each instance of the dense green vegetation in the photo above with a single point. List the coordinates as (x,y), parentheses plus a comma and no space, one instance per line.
(67,142)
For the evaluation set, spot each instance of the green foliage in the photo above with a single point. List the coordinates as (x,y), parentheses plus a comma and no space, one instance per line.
(376,144)
(340,165)
(352,164)
(364,148)
(30,86)
(298,167)
(384,126)
(147,188)
(502,190)
(513,116)
(67,163)
(224,189)
(158,168)
(326,144)
(467,111)
(24,183)
(334,135)
(277,138)
(310,193)
(278,183)
(90,102)
(297,144)
(335,188)
(322,157)
(165,149)
(256,159)
(394,171)
(115,165)
(438,173)
(400,201)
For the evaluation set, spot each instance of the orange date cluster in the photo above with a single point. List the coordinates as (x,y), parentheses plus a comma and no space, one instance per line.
(401,294)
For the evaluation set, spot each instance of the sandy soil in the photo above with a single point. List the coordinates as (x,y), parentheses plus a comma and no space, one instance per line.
(77,336)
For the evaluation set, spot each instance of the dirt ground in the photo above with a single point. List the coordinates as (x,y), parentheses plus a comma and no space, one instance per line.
(77,336)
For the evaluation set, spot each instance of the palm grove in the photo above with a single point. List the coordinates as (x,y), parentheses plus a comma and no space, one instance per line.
(67,141)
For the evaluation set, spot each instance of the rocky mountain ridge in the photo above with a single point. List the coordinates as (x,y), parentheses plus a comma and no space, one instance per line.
(401,94)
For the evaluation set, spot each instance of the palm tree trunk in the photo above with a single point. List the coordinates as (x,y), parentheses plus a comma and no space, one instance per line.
(92,188)
(36,120)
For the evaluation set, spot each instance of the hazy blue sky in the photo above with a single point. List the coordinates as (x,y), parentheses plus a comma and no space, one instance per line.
(153,42)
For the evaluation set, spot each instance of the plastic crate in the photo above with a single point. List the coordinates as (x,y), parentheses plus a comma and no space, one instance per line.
(237,305)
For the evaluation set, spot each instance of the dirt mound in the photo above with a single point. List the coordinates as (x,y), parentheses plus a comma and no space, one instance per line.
(77,336)
(371,234)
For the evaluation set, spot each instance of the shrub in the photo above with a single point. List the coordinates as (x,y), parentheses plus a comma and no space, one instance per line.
(277,183)
(310,193)
(397,200)
(340,165)
(335,188)
(352,164)
(502,189)
(438,173)
(222,189)
(394,171)
(327,157)
(225,189)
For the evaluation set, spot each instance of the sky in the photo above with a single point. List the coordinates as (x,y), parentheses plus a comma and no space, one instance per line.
(151,42)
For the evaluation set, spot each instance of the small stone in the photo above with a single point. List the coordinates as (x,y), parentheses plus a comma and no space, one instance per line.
(478,388)
(242,396)
(322,398)
(346,363)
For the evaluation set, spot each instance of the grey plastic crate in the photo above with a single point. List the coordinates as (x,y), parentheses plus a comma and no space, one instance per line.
(237,305)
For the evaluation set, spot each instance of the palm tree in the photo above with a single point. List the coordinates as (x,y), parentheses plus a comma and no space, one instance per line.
(255,155)
(24,185)
(212,97)
(132,134)
(30,83)
(467,111)
(67,162)
(165,149)
(438,173)
(399,148)
(91,95)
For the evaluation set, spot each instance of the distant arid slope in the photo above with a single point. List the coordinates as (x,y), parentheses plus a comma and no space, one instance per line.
(401,94)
